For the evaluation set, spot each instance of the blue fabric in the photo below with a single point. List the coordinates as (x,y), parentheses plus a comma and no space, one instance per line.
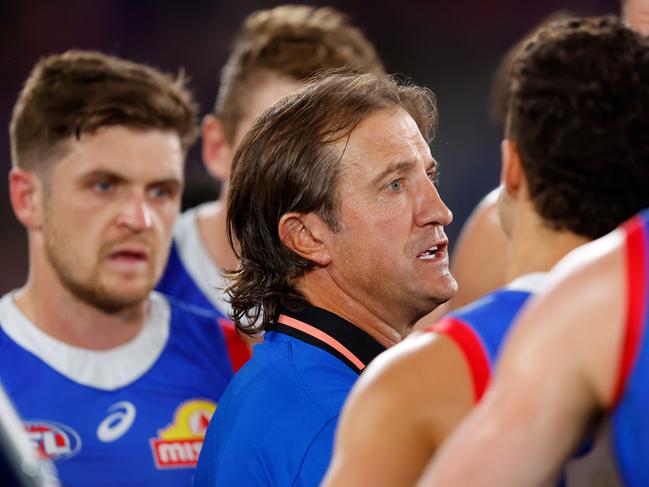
(177,283)
(276,421)
(630,427)
(63,416)
(492,316)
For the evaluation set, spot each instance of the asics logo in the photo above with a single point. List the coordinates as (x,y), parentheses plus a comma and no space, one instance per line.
(117,423)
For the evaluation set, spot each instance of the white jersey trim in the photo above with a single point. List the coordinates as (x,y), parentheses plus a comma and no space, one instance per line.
(197,261)
(105,369)
(532,283)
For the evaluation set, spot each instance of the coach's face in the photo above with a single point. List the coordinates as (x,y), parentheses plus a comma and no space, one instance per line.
(391,251)
(109,207)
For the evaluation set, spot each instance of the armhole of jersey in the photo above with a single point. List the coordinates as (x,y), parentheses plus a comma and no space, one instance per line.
(636,286)
(473,349)
(238,350)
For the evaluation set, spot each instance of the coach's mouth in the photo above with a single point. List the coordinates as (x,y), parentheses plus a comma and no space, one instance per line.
(435,252)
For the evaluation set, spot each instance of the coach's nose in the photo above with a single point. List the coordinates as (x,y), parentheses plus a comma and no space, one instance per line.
(429,207)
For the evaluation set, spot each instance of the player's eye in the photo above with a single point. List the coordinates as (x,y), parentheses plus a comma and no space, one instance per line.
(104,186)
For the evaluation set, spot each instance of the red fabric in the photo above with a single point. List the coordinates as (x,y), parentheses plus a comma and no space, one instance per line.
(636,265)
(238,350)
(474,353)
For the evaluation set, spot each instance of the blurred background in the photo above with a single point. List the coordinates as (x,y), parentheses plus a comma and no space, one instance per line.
(451,46)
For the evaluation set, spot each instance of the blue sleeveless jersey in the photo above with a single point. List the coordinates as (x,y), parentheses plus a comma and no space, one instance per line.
(630,428)
(202,290)
(190,275)
(130,416)
(479,329)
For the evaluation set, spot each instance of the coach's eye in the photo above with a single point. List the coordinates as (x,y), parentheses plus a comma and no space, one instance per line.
(433,176)
(395,185)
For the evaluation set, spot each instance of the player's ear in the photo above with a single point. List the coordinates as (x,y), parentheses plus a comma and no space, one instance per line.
(304,235)
(25,193)
(217,150)
(511,175)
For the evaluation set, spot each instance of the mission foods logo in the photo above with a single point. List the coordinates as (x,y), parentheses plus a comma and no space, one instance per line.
(53,440)
(179,444)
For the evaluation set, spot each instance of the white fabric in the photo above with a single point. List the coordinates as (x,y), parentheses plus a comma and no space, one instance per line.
(197,261)
(532,283)
(105,369)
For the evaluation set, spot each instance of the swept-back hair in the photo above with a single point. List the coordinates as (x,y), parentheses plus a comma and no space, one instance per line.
(286,164)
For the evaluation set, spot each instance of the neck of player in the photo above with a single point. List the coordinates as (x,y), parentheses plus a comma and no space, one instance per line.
(213,231)
(60,314)
(534,246)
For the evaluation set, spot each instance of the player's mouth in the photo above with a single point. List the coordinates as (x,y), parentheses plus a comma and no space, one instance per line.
(435,252)
(129,256)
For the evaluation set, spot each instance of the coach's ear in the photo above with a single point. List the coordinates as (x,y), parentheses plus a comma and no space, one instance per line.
(303,234)
(25,190)
(511,176)
(217,151)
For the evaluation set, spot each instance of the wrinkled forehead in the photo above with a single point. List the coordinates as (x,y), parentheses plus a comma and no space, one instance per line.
(383,138)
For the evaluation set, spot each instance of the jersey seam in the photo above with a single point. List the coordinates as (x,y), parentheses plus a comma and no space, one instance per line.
(301,383)
(306,451)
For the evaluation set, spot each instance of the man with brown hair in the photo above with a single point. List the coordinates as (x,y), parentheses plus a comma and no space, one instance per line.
(272,53)
(115,383)
(561,188)
(481,234)
(340,231)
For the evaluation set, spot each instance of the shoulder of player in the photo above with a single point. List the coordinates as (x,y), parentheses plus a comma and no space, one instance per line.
(427,371)
(570,326)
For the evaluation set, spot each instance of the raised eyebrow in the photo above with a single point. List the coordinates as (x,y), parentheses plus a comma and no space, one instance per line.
(433,165)
(393,168)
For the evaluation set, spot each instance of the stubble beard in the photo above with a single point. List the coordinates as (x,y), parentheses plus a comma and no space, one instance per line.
(91,288)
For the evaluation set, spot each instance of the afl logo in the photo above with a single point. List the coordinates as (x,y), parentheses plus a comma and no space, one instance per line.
(53,440)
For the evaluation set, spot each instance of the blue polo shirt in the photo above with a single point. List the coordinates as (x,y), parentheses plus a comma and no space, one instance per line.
(275,423)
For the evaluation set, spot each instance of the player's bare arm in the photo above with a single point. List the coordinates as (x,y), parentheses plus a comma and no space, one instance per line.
(403,406)
(550,384)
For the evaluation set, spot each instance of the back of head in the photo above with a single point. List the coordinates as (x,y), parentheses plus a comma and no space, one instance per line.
(498,101)
(288,163)
(80,92)
(290,40)
(579,112)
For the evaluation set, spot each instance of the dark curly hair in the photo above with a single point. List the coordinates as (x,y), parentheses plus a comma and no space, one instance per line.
(290,40)
(285,164)
(579,113)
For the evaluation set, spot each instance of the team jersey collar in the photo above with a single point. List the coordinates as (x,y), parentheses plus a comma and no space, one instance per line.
(533,282)
(329,332)
(102,369)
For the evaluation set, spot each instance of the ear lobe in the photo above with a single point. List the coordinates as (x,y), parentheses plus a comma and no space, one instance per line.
(25,196)
(217,151)
(511,176)
(302,234)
